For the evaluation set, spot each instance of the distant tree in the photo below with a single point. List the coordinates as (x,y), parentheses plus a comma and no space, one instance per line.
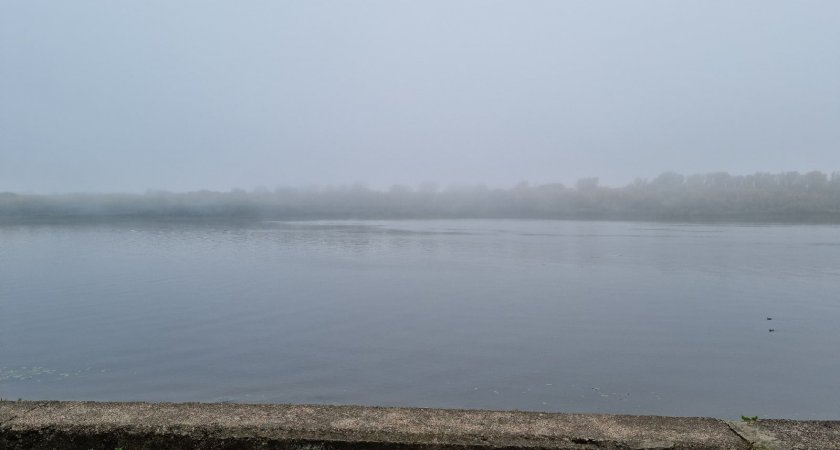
(815,181)
(760,196)
(587,184)
(668,180)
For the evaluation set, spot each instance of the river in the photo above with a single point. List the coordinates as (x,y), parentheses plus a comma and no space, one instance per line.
(612,317)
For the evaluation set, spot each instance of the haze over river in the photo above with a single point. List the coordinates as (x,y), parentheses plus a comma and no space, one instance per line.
(614,317)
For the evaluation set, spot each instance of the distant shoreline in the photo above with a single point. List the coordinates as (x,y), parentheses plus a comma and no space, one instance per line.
(127,219)
(789,197)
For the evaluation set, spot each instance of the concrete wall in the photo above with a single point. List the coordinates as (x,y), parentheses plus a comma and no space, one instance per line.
(90,425)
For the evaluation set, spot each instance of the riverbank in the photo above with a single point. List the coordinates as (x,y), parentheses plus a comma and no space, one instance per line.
(92,425)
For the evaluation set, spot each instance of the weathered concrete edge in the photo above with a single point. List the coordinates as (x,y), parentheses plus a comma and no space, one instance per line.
(91,425)
(781,434)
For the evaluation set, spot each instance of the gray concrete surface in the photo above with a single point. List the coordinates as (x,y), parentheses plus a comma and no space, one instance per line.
(90,425)
(7,411)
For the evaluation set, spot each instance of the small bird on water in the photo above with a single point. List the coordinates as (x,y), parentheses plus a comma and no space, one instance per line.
(772,330)
(769,318)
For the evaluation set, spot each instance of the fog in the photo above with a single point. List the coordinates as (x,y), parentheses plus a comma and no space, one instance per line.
(785,197)
(99,96)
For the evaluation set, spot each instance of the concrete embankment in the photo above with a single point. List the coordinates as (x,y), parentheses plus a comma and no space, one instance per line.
(129,426)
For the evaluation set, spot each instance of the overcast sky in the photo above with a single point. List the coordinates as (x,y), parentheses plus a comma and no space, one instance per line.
(183,95)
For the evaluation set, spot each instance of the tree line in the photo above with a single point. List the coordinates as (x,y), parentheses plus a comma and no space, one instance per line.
(788,196)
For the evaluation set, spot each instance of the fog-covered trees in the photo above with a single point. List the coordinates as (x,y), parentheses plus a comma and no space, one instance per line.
(788,196)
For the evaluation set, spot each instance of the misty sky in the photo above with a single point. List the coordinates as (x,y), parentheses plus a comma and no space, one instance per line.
(183,95)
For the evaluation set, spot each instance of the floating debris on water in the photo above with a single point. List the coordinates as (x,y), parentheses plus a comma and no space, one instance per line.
(37,373)
(23,373)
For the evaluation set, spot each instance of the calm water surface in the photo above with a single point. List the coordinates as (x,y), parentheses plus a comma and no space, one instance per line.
(536,315)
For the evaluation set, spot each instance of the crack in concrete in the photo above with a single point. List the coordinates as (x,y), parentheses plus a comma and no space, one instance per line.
(13,418)
(757,438)
(750,444)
